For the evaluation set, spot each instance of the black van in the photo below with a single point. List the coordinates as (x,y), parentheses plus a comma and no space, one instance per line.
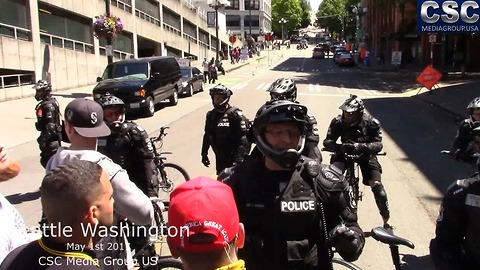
(141,83)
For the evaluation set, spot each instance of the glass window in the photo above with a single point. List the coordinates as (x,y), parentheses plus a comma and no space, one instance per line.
(65,25)
(14,12)
(234,4)
(122,42)
(148,8)
(170,18)
(254,19)
(252,5)
(233,20)
(126,71)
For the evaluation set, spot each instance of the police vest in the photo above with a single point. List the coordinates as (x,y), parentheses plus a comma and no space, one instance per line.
(286,225)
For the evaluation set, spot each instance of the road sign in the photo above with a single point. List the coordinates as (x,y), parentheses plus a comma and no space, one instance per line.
(232,39)
(429,77)
(396,58)
(432,38)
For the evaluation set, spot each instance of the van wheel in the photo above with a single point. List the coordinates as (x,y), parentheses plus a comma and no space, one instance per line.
(173,100)
(150,109)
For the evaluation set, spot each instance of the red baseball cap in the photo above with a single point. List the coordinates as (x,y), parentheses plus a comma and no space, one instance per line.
(202,206)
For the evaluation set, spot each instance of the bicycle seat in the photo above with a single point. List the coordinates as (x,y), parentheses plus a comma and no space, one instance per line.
(382,235)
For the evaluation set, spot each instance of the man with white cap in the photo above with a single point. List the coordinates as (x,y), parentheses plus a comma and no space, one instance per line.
(83,125)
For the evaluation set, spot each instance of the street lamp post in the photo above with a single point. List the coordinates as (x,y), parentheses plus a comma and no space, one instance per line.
(282,21)
(250,16)
(108,49)
(216,4)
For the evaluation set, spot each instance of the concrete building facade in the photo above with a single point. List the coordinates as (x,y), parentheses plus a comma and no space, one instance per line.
(248,18)
(53,39)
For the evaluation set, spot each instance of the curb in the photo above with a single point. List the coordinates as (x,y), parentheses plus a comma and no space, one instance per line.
(240,65)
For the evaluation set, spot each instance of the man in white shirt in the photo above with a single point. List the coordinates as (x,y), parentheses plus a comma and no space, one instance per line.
(205,70)
(13,231)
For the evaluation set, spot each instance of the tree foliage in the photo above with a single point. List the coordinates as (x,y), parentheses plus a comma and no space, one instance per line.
(306,10)
(291,10)
(331,13)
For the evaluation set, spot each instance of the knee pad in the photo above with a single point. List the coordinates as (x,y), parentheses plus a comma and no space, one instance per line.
(381,200)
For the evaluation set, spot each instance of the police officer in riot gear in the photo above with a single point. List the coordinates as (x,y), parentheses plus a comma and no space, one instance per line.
(130,147)
(225,131)
(286,89)
(359,133)
(463,146)
(457,242)
(294,208)
(48,121)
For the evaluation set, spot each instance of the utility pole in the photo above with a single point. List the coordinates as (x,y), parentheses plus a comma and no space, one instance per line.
(250,15)
(216,33)
(108,48)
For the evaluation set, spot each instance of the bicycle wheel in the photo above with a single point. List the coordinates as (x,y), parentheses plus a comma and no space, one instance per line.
(173,174)
(169,263)
(339,264)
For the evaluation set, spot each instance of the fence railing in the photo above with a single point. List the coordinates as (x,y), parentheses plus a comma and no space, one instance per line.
(172,29)
(148,18)
(116,53)
(14,31)
(190,38)
(66,43)
(121,5)
(15,80)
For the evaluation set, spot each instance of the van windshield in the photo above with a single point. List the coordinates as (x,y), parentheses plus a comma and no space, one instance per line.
(122,71)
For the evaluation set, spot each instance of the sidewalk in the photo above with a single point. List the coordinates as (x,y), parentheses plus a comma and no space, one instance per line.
(452,96)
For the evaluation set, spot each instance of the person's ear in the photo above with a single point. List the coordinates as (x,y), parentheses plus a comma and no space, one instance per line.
(173,249)
(240,236)
(93,213)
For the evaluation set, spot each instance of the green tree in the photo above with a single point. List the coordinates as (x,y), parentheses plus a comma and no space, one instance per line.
(291,10)
(306,10)
(331,14)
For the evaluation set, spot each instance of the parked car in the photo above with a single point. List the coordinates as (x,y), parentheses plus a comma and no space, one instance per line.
(337,54)
(192,81)
(318,52)
(141,83)
(346,59)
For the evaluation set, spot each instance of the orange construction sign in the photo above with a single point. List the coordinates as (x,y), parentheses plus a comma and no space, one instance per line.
(429,77)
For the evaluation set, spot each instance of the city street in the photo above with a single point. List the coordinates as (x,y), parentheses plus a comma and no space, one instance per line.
(414,173)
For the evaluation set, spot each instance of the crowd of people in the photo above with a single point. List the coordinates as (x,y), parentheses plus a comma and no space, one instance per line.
(276,206)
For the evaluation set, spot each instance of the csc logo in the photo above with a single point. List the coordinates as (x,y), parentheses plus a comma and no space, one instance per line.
(49,261)
(429,12)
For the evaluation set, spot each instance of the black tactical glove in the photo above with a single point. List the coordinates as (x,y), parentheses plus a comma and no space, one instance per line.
(354,148)
(205,160)
(345,240)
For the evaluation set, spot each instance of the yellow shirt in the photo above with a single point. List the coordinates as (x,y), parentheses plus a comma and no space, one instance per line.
(238,265)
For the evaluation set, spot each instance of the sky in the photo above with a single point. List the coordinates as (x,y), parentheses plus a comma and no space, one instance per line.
(314,4)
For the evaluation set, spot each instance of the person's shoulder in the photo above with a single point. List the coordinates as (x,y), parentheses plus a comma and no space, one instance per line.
(330,178)
(17,257)
(370,120)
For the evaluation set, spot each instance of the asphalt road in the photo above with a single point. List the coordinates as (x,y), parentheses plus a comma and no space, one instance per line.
(414,173)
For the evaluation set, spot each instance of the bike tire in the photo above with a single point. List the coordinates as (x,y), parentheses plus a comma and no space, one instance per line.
(345,264)
(175,175)
(169,263)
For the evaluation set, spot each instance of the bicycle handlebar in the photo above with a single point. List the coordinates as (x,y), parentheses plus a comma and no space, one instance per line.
(381,153)
(162,134)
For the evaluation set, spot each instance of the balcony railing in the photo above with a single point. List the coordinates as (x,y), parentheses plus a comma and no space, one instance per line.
(66,43)
(190,38)
(14,31)
(147,17)
(172,29)
(15,80)
(121,5)
(116,53)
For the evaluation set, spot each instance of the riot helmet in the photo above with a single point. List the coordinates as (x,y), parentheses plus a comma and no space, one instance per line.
(43,89)
(283,88)
(474,104)
(113,102)
(220,89)
(352,109)
(280,111)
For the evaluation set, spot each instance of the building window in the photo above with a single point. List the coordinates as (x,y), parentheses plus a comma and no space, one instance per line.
(254,19)
(234,4)
(252,5)
(148,8)
(14,13)
(65,25)
(233,20)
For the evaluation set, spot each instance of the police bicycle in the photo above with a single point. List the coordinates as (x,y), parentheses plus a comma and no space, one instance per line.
(384,236)
(473,170)
(157,235)
(169,173)
(352,173)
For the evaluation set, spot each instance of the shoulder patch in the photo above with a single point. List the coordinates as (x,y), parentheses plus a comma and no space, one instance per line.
(313,168)
(332,178)
(239,112)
